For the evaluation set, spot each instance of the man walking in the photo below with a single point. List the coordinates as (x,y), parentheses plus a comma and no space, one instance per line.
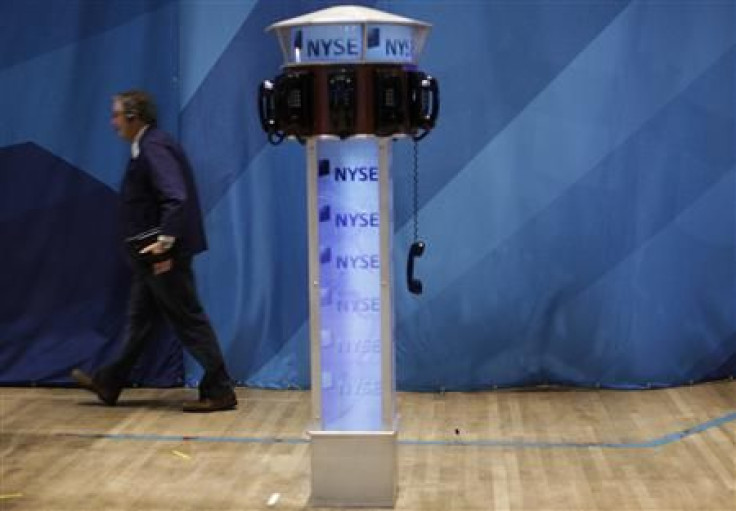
(164,231)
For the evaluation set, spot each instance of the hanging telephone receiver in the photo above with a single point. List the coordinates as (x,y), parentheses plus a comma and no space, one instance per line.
(341,86)
(414,284)
(267,112)
(424,102)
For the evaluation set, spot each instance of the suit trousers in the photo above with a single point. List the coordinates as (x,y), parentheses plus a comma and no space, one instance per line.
(173,295)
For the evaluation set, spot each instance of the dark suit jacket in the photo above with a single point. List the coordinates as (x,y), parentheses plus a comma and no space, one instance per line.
(158,191)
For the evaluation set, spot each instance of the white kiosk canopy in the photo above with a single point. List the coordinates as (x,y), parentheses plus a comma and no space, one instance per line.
(350,33)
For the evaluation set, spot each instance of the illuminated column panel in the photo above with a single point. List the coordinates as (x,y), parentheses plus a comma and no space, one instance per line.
(350,284)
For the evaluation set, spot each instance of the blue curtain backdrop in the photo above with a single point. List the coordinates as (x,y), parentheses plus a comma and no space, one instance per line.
(577,197)
(64,284)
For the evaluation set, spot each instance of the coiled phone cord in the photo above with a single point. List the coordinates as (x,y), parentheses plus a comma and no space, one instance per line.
(417,247)
(416,191)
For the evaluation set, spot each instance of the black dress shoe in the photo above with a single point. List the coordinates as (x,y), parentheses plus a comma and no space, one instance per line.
(107,396)
(209,404)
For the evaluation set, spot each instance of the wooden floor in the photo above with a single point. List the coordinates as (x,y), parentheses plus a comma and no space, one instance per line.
(672,449)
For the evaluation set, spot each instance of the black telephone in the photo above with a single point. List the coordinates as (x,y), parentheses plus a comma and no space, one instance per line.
(341,87)
(267,112)
(294,91)
(285,106)
(424,102)
(414,284)
(390,113)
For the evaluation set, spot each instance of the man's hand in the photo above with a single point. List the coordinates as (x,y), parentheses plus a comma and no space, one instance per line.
(156,249)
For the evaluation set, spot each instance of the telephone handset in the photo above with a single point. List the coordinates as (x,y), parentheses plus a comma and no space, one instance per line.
(414,284)
(285,106)
(267,112)
(424,102)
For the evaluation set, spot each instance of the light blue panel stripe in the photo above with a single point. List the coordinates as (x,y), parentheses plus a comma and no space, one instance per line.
(689,224)
(237,228)
(253,279)
(289,367)
(206,27)
(643,60)
(61,100)
(676,290)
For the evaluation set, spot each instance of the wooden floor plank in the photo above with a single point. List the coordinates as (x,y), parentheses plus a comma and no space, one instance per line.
(516,450)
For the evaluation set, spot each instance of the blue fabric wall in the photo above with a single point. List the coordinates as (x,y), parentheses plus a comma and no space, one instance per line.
(64,284)
(577,196)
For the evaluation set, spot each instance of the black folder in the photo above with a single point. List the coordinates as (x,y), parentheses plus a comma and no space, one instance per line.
(139,241)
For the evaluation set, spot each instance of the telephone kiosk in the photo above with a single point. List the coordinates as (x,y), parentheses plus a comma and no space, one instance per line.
(348,88)
(379,99)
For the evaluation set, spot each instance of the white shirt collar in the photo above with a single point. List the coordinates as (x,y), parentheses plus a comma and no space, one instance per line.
(135,149)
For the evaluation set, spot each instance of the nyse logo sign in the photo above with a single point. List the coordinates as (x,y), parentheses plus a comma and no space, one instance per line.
(358,173)
(362,347)
(327,43)
(358,219)
(350,262)
(331,49)
(398,48)
(358,262)
(359,387)
(390,47)
(344,43)
(359,346)
(343,219)
(348,173)
(359,305)
(347,385)
(391,43)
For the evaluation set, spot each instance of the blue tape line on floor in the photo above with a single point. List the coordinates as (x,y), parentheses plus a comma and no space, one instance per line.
(657,442)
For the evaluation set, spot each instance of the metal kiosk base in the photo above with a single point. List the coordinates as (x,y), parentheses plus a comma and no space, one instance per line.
(353,468)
